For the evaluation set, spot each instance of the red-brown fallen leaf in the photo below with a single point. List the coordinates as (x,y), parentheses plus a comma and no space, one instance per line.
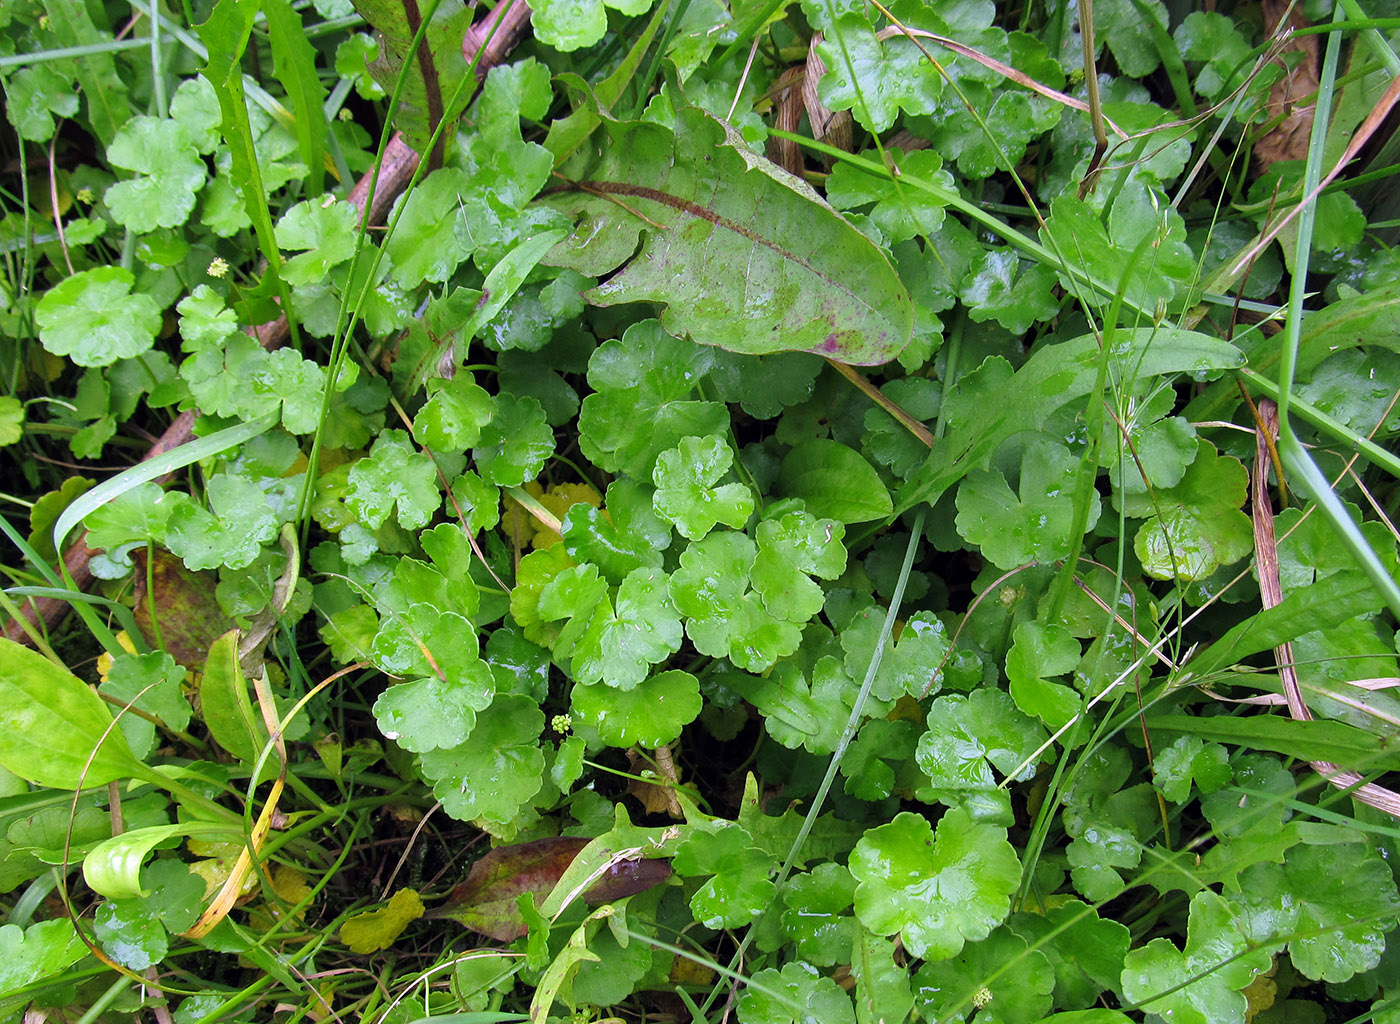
(485,902)
(186,611)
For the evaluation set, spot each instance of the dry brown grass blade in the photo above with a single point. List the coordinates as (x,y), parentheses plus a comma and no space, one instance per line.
(1271,594)
(787,115)
(905,419)
(832,126)
(500,31)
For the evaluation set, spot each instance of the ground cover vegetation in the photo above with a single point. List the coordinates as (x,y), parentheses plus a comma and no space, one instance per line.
(667,510)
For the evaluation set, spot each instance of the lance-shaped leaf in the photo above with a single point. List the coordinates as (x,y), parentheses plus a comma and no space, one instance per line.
(54,731)
(742,254)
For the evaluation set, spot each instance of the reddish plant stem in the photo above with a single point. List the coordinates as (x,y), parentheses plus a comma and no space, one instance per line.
(495,36)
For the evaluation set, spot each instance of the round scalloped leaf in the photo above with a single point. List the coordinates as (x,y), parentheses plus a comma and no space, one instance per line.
(686,493)
(427,714)
(1195,527)
(1336,902)
(975,981)
(798,994)
(968,735)
(740,888)
(515,443)
(651,714)
(498,769)
(457,409)
(93,318)
(1205,982)
(169,174)
(937,890)
(38,952)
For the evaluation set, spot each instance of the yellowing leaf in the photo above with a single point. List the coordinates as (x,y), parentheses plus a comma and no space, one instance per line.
(377,929)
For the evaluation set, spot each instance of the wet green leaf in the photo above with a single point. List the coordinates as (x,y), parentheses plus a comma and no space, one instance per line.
(93,319)
(231,533)
(497,769)
(936,890)
(834,482)
(1203,983)
(953,990)
(797,994)
(1332,904)
(651,714)
(739,889)
(688,492)
(1031,524)
(799,276)
(1195,527)
(393,477)
(723,617)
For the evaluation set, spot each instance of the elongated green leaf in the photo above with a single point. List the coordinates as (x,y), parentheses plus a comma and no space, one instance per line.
(113,867)
(226,34)
(150,469)
(294,61)
(995,403)
(507,276)
(1320,605)
(1337,742)
(228,711)
(744,256)
(834,482)
(51,724)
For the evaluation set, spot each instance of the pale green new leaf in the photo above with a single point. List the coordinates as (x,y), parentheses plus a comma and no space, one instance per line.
(688,492)
(169,171)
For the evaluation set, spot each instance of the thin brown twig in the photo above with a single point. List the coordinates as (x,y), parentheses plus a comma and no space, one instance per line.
(877,396)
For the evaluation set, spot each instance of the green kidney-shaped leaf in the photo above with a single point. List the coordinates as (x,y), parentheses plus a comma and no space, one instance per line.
(649,715)
(94,320)
(834,482)
(40,951)
(743,255)
(1203,983)
(938,890)
(51,724)
(1197,526)
(795,995)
